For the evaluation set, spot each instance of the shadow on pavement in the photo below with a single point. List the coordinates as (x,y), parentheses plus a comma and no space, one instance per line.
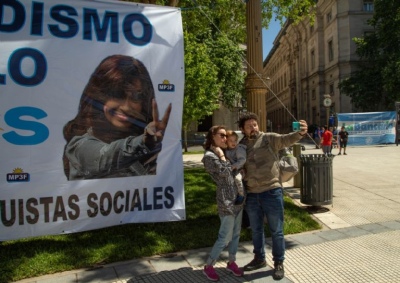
(185,274)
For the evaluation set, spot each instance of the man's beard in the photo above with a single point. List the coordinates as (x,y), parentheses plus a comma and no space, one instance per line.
(253,135)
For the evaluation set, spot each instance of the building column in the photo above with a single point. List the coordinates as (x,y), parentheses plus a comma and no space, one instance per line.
(255,88)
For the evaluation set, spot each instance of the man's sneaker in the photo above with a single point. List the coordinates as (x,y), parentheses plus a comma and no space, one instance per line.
(339,153)
(234,269)
(255,264)
(345,153)
(209,271)
(279,272)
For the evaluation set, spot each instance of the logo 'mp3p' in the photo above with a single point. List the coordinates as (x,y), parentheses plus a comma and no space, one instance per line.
(18,175)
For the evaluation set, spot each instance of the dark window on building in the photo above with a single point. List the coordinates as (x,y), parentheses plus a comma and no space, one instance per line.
(205,124)
(314,114)
(331,89)
(368,5)
(329,17)
(330,50)
(312,59)
(313,96)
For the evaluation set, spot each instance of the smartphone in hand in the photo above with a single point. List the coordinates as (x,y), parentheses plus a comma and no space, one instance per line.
(296,126)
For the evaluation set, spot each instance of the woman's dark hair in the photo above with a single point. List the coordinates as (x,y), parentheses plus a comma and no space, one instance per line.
(116,77)
(246,116)
(209,137)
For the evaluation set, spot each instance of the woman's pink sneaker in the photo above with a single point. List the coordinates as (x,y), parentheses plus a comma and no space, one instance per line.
(232,267)
(209,271)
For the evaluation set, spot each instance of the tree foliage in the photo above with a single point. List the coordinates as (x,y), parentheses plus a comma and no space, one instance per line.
(201,83)
(293,10)
(229,59)
(376,85)
(214,31)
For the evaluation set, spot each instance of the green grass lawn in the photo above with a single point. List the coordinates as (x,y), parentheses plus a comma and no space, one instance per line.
(37,256)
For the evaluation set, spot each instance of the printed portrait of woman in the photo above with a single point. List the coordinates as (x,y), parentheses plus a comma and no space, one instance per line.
(117,131)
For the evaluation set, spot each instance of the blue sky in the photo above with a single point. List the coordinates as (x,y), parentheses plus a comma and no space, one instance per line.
(269,36)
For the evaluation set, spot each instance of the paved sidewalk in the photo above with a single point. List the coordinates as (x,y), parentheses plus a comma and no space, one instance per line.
(359,241)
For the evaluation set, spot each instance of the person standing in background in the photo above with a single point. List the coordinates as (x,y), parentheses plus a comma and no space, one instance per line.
(317,136)
(334,138)
(326,140)
(343,136)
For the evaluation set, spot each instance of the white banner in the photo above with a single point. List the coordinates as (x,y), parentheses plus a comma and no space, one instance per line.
(79,82)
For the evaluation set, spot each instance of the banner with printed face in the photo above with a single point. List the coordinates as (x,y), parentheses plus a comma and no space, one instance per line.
(368,128)
(91,96)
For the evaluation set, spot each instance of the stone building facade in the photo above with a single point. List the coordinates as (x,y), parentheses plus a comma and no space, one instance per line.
(222,116)
(307,62)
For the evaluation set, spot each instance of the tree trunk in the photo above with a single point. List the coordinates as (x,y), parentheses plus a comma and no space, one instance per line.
(148,1)
(173,3)
(185,145)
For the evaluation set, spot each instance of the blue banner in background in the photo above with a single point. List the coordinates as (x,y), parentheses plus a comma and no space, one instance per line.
(369,128)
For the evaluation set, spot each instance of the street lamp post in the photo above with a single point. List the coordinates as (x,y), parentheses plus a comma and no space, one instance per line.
(327,103)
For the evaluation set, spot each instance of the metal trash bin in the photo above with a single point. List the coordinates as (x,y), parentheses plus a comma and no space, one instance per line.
(317,179)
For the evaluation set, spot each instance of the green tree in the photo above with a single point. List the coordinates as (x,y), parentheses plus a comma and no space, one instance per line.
(376,84)
(218,25)
(229,59)
(201,83)
(293,10)
(214,31)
